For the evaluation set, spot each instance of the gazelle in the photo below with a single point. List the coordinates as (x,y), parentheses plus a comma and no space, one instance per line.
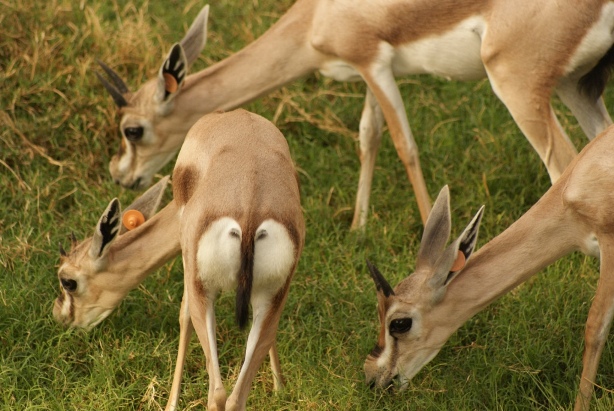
(528,49)
(236,218)
(447,288)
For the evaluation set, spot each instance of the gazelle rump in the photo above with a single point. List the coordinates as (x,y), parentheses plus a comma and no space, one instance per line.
(423,310)
(237,220)
(528,50)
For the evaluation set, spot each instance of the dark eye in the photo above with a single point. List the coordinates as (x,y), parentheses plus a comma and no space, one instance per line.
(133,133)
(69,285)
(400,326)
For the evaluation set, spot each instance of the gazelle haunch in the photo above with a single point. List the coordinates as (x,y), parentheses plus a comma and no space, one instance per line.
(528,50)
(423,310)
(236,218)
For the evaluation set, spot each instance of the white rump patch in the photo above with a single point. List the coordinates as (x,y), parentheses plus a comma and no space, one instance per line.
(219,255)
(273,255)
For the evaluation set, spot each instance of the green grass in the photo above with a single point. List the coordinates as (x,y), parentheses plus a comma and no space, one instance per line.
(58,129)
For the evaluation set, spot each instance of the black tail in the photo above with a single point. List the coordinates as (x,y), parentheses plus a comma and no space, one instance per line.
(245,280)
(593,83)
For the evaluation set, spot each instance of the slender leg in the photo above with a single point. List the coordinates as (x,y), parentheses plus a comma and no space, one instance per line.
(597,325)
(201,308)
(267,310)
(381,82)
(370,136)
(528,101)
(278,378)
(591,114)
(185,332)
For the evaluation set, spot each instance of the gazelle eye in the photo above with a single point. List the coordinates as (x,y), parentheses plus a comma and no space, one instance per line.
(69,285)
(400,326)
(133,133)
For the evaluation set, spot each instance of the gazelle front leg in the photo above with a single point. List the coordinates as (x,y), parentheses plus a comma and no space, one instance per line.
(598,324)
(380,80)
(185,332)
(370,136)
(267,308)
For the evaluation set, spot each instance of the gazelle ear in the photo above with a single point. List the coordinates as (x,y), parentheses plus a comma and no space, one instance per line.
(149,202)
(171,75)
(195,39)
(106,231)
(436,231)
(456,255)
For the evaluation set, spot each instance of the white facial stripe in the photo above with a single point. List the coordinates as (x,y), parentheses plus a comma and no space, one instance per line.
(66,306)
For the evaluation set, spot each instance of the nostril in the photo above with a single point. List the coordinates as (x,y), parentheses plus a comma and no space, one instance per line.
(116,181)
(372,385)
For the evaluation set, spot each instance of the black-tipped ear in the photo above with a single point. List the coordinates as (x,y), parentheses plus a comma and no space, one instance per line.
(466,244)
(380,282)
(106,231)
(118,98)
(172,73)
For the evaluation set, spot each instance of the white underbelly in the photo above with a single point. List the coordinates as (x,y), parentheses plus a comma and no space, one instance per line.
(454,55)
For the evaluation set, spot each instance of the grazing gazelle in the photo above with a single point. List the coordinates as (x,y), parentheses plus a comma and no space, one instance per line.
(447,288)
(237,220)
(529,49)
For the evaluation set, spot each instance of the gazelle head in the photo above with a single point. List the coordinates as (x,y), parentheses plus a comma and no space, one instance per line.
(151,131)
(92,277)
(413,326)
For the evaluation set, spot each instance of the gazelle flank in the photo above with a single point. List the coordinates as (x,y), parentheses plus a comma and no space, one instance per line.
(447,288)
(528,49)
(236,218)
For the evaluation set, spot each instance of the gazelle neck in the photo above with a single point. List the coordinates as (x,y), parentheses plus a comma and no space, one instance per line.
(279,56)
(141,251)
(540,237)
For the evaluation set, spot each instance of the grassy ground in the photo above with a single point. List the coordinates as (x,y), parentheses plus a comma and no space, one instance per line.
(58,129)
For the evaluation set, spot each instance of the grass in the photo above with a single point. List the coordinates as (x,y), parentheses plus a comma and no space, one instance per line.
(58,130)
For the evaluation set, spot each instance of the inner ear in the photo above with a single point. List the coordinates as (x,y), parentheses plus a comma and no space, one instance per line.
(172,74)
(460,261)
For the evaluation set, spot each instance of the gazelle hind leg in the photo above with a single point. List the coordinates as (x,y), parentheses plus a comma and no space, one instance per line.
(527,98)
(274,262)
(370,136)
(201,306)
(591,114)
(185,332)
(266,312)
(598,324)
(278,378)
